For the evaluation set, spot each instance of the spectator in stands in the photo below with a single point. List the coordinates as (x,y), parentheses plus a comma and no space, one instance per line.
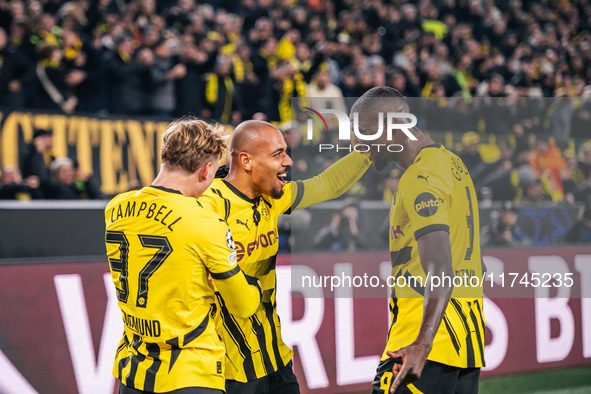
(12,186)
(547,159)
(47,30)
(345,233)
(535,192)
(496,113)
(576,177)
(501,178)
(463,75)
(399,82)
(63,183)
(38,155)
(580,122)
(470,154)
(127,76)
(559,117)
(222,95)
(69,182)
(325,94)
(504,229)
(585,161)
(84,72)
(580,232)
(250,81)
(15,74)
(521,143)
(163,72)
(87,184)
(495,86)
(53,92)
(430,78)
(198,60)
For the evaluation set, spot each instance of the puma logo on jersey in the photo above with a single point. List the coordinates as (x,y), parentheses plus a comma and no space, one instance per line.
(423,177)
(242,223)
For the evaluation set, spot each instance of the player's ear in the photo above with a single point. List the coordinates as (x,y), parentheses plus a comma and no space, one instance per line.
(245,161)
(205,172)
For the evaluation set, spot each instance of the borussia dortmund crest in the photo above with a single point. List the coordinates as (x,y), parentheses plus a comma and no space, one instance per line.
(264,212)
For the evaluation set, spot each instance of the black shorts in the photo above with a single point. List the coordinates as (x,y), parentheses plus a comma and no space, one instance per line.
(436,378)
(123,389)
(282,381)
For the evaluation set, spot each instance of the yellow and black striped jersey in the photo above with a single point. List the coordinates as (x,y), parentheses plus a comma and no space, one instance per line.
(254,346)
(436,193)
(162,248)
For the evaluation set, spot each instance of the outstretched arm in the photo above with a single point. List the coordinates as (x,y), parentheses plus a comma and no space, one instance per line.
(332,182)
(435,255)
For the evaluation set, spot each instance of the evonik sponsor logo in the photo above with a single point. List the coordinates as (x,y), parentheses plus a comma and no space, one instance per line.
(263,241)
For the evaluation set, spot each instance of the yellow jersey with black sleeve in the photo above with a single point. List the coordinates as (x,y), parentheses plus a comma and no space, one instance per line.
(436,193)
(254,346)
(162,248)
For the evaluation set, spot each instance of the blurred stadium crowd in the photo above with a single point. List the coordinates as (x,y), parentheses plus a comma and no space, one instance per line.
(235,60)
(232,60)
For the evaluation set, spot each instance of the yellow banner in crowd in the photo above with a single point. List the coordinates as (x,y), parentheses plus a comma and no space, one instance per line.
(120,152)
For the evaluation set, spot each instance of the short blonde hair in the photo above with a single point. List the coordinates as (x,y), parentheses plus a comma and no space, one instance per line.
(189,143)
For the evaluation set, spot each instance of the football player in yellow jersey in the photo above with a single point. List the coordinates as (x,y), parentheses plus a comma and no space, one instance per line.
(163,247)
(251,198)
(436,338)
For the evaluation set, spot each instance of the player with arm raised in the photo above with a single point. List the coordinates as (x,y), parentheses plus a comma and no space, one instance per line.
(251,198)
(162,247)
(436,339)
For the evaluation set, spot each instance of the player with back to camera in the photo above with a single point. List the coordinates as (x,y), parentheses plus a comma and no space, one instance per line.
(162,246)
(251,198)
(436,339)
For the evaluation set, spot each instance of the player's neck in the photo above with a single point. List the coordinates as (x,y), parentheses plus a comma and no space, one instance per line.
(243,183)
(412,149)
(188,185)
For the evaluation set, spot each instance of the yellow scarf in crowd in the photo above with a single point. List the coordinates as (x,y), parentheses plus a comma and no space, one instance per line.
(49,63)
(72,52)
(240,69)
(287,89)
(212,94)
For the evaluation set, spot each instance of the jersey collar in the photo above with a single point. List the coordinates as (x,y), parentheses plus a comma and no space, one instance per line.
(418,156)
(165,189)
(243,196)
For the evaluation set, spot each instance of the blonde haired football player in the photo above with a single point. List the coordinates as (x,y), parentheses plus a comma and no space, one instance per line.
(164,251)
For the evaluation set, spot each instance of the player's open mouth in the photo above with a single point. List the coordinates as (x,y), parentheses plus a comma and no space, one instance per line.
(281,178)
